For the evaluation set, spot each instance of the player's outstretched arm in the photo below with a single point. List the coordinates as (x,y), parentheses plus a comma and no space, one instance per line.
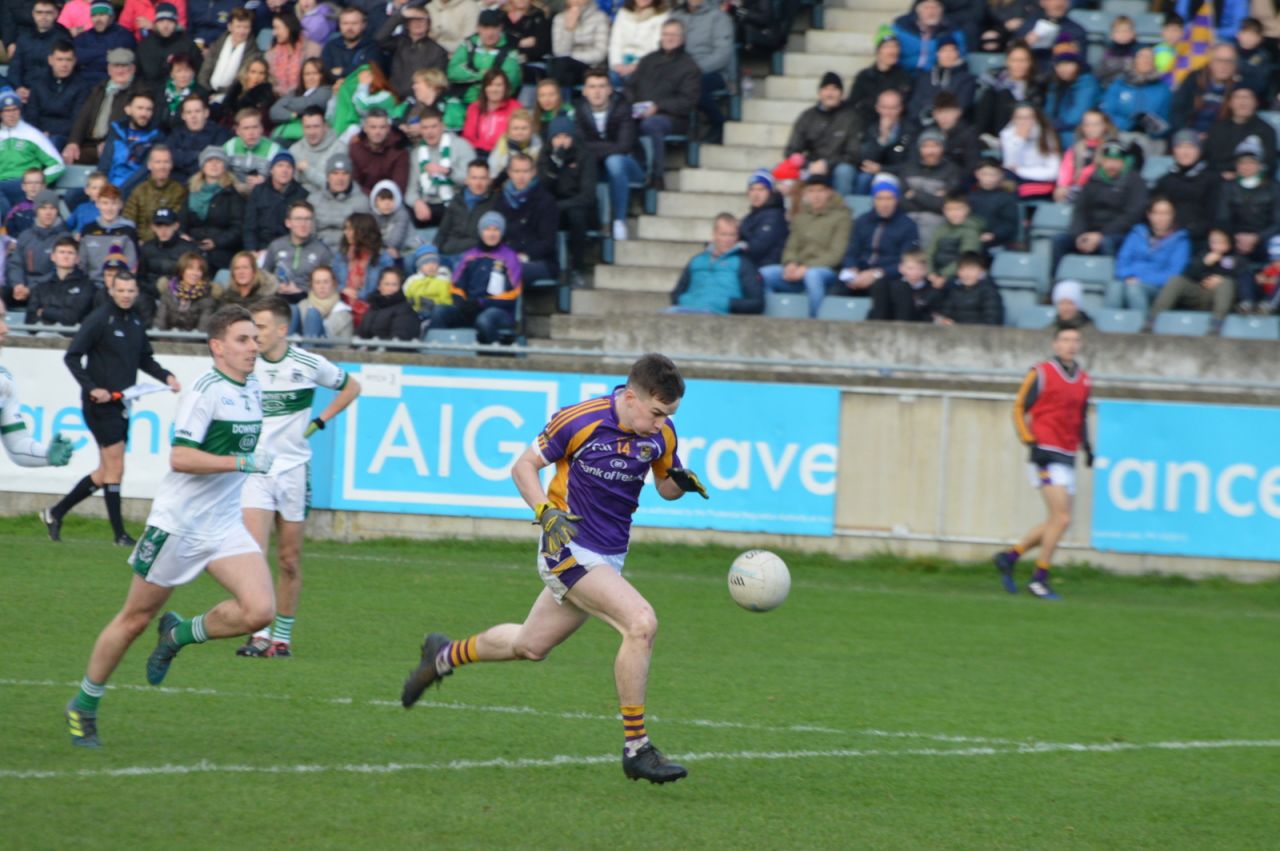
(347,395)
(683,481)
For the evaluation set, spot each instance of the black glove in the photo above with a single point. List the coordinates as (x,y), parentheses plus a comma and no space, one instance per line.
(314,426)
(558,525)
(688,481)
(1088,456)
(1042,457)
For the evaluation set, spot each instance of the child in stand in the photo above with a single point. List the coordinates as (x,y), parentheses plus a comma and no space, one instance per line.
(1256,63)
(1117,56)
(971,297)
(995,205)
(431,285)
(393,219)
(86,211)
(23,214)
(1172,32)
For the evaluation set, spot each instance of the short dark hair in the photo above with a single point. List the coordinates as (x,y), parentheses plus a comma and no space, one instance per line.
(945,100)
(300,204)
(313,111)
(425,112)
(141,93)
(971,258)
(278,307)
(62,46)
(596,71)
(226,316)
(989,162)
(67,242)
(478,162)
(956,198)
(657,376)
(377,112)
(1060,328)
(518,155)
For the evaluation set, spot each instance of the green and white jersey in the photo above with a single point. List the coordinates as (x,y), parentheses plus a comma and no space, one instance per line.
(221,416)
(288,390)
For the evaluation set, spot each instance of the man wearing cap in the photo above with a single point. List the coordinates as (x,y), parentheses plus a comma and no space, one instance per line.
(22,146)
(29,54)
(453,22)
(165,41)
(269,203)
(350,47)
(129,140)
(919,32)
(664,89)
(437,168)
(379,152)
(29,260)
(823,131)
(158,257)
(1110,203)
(461,220)
(1191,186)
(55,93)
(157,191)
(1249,205)
(764,230)
(1071,92)
(569,173)
(879,239)
(293,257)
(488,48)
(105,104)
(317,146)
(405,39)
(927,179)
(336,200)
(1241,122)
(93,45)
(193,133)
(819,234)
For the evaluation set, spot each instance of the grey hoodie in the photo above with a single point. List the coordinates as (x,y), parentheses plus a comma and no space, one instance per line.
(28,262)
(396,228)
(708,36)
(317,159)
(332,211)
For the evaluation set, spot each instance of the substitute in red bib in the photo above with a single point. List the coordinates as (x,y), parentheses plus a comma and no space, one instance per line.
(1049,415)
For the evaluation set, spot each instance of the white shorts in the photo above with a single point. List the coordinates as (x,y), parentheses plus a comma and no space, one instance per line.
(288,494)
(561,571)
(1063,475)
(169,560)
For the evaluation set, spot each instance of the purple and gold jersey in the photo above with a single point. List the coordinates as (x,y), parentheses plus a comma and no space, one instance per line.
(601,468)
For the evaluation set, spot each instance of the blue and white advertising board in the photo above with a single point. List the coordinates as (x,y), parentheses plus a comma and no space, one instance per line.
(1188,480)
(442,441)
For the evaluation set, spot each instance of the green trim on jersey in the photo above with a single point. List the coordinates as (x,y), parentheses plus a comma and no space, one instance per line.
(144,555)
(231,437)
(182,441)
(207,381)
(12,427)
(282,403)
(263,357)
(226,377)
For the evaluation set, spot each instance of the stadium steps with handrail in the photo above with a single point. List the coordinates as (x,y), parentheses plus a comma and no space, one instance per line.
(677,221)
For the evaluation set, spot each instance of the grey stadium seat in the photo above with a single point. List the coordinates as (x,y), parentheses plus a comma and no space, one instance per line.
(1182,323)
(847,308)
(1111,321)
(786,305)
(1251,327)
(1034,316)
(1014,302)
(1088,269)
(1022,270)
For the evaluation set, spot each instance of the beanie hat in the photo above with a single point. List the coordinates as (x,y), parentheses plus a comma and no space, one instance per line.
(948,40)
(1115,150)
(1068,290)
(761,176)
(283,157)
(493,219)
(9,98)
(1066,50)
(1186,137)
(560,124)
(831,78)
(213,152)
(886,183)
(116,259)
(1249,147)
(932,135)
(101,7)
(425,252)
(166,12)
(46,196)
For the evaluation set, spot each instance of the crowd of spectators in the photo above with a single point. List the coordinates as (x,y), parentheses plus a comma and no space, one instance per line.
(955,164)
(329,151)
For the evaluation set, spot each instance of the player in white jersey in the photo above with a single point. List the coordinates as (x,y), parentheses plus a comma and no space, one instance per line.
(195,524)
(23,449)
(289,377)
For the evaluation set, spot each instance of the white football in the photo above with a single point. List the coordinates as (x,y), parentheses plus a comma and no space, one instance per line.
(759,581)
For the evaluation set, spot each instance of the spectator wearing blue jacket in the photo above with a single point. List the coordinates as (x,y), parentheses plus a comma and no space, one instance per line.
(1151,254)
(880,237)
(207,19)
(351,46)
(721,279)
(919,32)
(1072,91)
(1140,100)
(764,229)
(129,140)
(105,34)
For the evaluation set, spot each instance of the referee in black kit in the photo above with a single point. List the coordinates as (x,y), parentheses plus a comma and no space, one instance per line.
(114,340)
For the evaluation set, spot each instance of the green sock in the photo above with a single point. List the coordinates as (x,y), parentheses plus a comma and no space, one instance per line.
(282,629)
(190,632)
(89,695)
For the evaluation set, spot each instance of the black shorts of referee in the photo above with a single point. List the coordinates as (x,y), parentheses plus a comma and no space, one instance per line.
(107,422)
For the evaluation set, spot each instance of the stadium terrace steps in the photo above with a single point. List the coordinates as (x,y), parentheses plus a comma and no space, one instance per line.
(647,266)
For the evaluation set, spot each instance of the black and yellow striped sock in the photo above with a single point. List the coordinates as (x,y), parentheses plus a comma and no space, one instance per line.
(633,728)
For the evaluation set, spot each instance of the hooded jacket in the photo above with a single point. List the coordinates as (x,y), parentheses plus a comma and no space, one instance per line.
(824,134)
(61,301)
(396,227)
(316,157)
(818,237)
(28,261)
(389,317)
(332,211)
(764,231)
(726,284)
(879,243)
(669,80)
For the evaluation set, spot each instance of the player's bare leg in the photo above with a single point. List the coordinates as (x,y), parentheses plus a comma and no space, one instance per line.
(604,594)
(1058,502)
(258,521)
(289,537)
(140,606)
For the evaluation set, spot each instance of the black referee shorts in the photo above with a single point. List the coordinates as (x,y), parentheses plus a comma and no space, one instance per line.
(108,422)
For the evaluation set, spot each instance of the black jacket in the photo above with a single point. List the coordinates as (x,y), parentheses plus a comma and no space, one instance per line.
(925,187)
(54,102)
(116,343)
(32,48)
(1225,135)
(959,81)
(1256,210)
(158,260)
(963,147)
(1110,207)
(671,81)
(999,211)
(1194,194)
(977,305)
(186,147)
(868,147)
(531,229)
(389,317)
(458,229)
(61,301)
(406,55)
(570,175)
(824,134)
(765,231)
(265,212)
(535,23)
(870,82)
(222,225)
(619,135)
(154,53)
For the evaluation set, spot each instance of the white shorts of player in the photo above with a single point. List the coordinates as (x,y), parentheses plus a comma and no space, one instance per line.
(169,560)
(586,559)
(288,494)
(1062,475)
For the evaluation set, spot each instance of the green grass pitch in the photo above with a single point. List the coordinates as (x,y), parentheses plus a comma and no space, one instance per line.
(888,704)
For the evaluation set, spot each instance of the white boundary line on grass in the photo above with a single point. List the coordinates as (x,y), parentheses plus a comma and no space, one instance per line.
(529,710)
(205,767)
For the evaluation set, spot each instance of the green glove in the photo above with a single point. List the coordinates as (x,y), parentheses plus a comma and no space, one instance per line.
(688,481)
(258,462)
(558,525)
(59,454)
(314,426)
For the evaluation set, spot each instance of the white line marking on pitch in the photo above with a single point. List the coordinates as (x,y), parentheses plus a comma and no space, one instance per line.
(205,767)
